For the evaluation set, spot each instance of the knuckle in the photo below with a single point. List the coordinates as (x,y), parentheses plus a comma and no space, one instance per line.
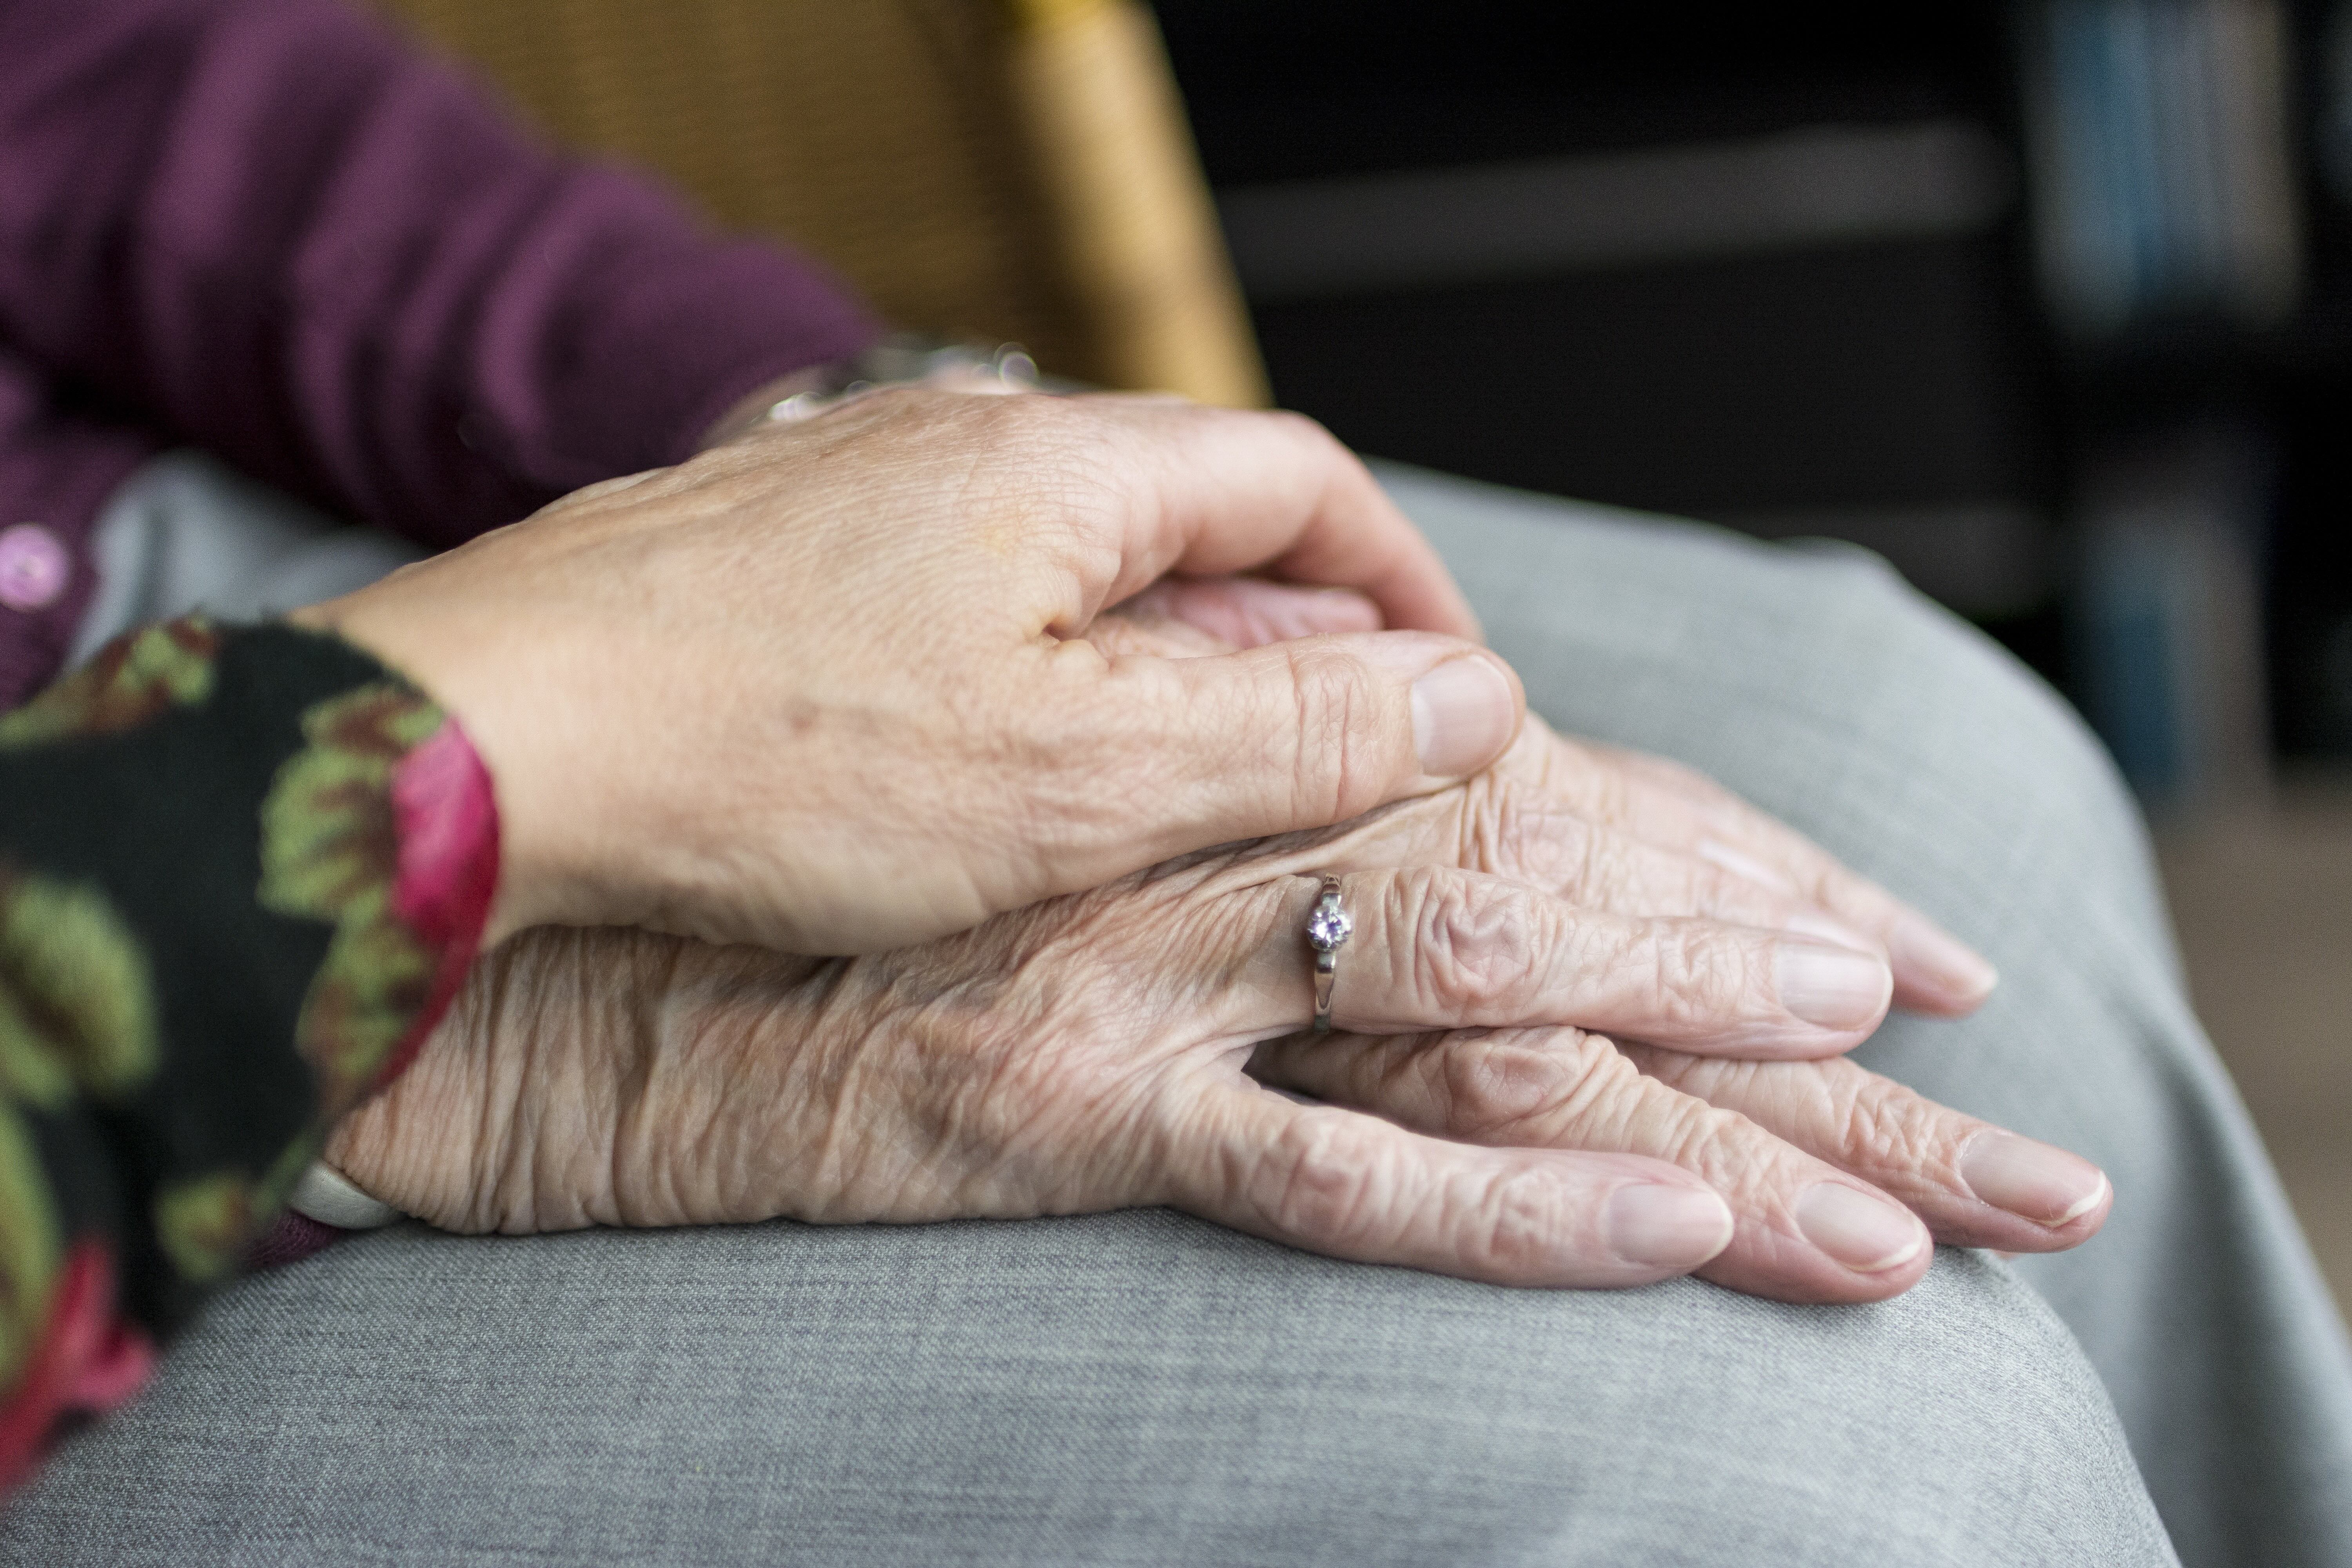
(1507,834)
(1345,760)
(1486,832)
(1324,1185)
(1498,1087)
(1883,1126)
(1467,945)
(1729,1151)
(1699,975)
(1516,1219)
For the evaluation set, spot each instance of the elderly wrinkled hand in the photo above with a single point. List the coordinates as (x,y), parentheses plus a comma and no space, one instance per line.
(1109,1048)
(826,688)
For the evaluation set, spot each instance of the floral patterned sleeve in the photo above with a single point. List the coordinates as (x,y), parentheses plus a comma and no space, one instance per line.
(242,872)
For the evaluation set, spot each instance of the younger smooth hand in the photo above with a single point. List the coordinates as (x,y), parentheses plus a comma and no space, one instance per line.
(827,689)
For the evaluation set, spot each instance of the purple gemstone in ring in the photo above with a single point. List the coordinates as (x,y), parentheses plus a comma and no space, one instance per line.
(1329,926)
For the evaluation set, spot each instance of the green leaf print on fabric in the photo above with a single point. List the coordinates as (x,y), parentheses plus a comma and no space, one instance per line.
(77,1003)
(330,851)
(131,681)
(205,1223)
(30,1248)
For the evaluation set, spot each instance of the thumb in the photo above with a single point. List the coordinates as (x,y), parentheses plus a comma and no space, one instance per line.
(1305,733)
(1158,757)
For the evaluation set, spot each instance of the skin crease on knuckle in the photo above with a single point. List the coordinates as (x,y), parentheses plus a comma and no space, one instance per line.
(1458,947)
(1869,1125)
(1506,1224)
(1764,1176)
(1320,1184)
(1516,1085)
(1758,1175)
(1338,774)
(1699,975)
(1505,829)
(1334,1183)
(1561,1090)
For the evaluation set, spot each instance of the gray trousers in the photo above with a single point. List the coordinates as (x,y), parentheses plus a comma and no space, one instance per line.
(1141,1388)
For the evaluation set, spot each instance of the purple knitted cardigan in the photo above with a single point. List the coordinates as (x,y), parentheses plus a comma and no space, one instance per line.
(272,229)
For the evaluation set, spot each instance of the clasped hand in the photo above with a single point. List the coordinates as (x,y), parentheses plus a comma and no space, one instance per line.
(825,689)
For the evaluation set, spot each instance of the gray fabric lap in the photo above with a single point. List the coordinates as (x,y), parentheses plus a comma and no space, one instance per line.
(1816,685)
(1127,1389)
(187,533)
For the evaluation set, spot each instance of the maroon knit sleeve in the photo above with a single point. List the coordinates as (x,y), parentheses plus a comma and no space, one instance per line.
(272,228)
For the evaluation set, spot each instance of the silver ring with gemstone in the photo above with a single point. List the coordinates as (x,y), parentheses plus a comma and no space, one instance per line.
(1328,931)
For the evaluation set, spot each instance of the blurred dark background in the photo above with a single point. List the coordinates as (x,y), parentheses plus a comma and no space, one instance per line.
(2050,304)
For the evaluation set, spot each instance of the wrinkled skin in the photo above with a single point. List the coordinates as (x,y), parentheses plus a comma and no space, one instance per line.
(1109,1048)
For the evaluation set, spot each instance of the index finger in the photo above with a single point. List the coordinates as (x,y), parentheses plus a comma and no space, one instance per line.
(1243,491)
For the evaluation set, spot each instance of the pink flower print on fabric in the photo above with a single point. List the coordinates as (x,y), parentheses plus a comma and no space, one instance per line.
(34,567)
(447,819)
(89,1358)
(447,816)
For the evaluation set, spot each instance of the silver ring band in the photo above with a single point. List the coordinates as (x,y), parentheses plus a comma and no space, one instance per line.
(1328,931)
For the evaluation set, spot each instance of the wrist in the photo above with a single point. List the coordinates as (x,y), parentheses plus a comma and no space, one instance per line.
(522,895)
(899,360)
(752,411)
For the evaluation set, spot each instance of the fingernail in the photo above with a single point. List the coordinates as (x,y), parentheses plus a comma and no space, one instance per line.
(1667,1227)
(1951,966)
(2031,1180)
(1832,987)
(1862,1232)
(1462,715)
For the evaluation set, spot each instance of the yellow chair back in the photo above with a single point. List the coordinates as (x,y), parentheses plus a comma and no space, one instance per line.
(983,169)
